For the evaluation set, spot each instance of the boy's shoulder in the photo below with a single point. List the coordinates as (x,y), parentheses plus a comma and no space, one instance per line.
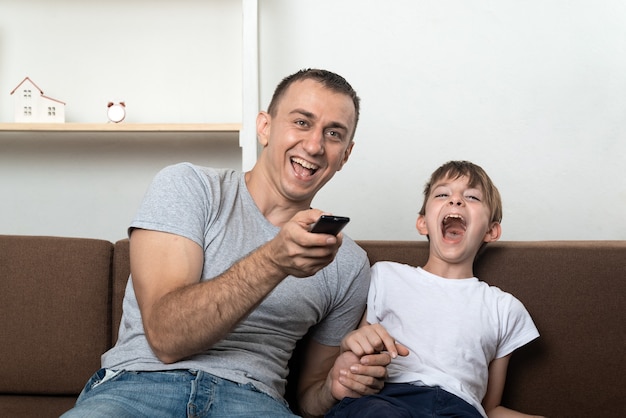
(392,265)
(390,269)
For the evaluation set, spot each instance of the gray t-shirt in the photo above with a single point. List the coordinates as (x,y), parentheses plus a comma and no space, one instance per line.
(214,209)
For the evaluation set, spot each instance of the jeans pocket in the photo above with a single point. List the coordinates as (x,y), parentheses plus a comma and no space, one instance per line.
(102,376)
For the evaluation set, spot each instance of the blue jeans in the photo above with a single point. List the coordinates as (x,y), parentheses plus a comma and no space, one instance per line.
(403,400)
(178,393)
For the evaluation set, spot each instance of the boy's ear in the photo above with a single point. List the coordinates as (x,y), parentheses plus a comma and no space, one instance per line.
(494,232)
(420,224)
(263,123)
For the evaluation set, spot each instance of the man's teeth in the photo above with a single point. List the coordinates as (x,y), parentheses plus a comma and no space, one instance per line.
(305,164)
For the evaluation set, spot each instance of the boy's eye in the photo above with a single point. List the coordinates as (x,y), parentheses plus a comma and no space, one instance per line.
(470,197)
(441,195)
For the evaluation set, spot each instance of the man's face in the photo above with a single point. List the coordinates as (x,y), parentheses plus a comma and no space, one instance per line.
(308,139)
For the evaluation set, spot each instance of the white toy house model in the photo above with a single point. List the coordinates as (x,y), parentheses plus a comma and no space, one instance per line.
(31,105)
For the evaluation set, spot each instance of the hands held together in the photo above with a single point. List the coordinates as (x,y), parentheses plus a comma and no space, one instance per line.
(361,368)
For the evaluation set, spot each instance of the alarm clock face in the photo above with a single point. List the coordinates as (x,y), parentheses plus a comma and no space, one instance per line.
(116,112)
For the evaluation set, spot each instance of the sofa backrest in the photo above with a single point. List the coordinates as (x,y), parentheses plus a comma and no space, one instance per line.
(55,300)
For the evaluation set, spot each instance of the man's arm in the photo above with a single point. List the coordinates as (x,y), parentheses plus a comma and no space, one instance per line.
(495,388)
(183,316)
(355,369)
(325,377)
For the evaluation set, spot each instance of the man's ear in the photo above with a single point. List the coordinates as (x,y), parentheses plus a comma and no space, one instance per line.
(263,125)
(420,224)
(494,232)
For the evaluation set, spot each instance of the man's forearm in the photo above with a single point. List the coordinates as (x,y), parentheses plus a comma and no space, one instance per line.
(317,400)
(193,318)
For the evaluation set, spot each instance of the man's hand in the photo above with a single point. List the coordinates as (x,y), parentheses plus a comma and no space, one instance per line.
(353,376)
(298,252)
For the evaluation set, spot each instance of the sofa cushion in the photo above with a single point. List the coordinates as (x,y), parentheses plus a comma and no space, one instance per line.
(56,317)
(35,406)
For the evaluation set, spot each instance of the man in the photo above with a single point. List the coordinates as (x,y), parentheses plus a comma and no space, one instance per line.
(226,277)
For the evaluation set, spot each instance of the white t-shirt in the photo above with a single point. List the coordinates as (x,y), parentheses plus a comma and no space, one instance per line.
(453,328)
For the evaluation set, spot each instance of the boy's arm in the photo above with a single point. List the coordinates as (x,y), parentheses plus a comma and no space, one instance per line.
(372,339)
(495,387)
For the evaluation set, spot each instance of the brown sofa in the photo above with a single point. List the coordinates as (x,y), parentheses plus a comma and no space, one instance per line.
(61,299)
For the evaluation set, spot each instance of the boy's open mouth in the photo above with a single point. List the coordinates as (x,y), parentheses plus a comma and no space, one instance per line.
(453,227)
(303,168)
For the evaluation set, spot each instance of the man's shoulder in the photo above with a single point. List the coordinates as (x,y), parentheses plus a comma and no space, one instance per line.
(187,168)
(349,248)
(205,177)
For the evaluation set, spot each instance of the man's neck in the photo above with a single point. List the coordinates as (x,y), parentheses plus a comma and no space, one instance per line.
(276,209)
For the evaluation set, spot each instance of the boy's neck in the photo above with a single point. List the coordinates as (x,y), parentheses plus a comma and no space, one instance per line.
(448,270)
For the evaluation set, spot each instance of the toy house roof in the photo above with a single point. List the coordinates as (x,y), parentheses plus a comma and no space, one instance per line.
(23,81)
(37,87)
(54,100)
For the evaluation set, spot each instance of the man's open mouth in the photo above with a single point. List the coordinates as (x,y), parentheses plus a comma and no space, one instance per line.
(303,168)
(453,226)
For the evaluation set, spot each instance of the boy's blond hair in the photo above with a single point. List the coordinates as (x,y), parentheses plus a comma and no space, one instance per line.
(477,177)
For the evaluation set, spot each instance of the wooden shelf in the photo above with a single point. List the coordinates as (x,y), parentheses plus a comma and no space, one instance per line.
(120,127)
(28,135)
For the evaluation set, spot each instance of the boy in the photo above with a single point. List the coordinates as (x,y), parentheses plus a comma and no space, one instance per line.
(460,332)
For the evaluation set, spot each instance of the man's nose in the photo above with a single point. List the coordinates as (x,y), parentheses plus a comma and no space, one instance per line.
(314,143)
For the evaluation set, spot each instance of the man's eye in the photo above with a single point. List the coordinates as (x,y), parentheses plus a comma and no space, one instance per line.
(301,123)
(334,134)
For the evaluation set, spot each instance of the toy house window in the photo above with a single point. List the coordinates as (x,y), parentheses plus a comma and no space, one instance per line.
(28,111)
(27,93)
(52,111)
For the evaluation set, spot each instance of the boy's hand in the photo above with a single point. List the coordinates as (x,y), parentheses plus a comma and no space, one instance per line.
(372,339)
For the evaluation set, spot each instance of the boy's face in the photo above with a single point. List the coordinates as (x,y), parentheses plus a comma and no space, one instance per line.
(457,220)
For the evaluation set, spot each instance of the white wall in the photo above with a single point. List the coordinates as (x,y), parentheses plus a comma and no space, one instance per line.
(172,62)
(533,91)
(91,186)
